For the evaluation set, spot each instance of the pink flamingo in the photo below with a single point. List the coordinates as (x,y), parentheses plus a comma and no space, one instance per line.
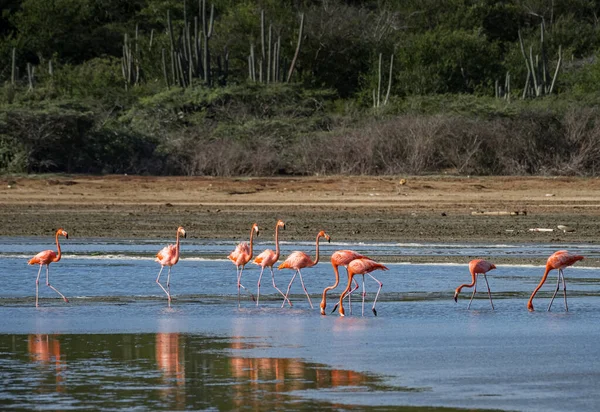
(340,258)
(476,267)
(363,266)
(45,258)
(558,260)
(240,257)
(267,259)
(169,256)
(300,260)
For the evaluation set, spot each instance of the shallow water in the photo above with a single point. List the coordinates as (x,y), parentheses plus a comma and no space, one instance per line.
(117,344)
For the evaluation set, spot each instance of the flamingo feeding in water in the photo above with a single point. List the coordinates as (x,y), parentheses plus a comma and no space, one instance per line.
(240,257)
(300,260)
(267,259)
(340,258)
(169,256)
(558,260)
(45,258)
(476,267)
(363,267)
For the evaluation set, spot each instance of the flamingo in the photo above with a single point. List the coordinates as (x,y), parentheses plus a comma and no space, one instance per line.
(340,258)
(240,257)
(476,267)
(362,266)
(300,260)
(169,256)
(267,259)
(558,260)
(45,258)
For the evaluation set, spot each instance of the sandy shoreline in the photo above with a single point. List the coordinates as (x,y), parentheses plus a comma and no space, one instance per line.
(423,209)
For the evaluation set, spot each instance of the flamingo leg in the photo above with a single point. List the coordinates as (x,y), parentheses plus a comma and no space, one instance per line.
(347,293)
(473,295)
(342,296)
(564,289)
(376,296)
(278,290)
(37,286)
(52,287)
(243,287)
(356,286)
(161,286)
(259,278)
(363,295)
(489,291)
(287,293)
(169,282)
(304,287)
(556,291)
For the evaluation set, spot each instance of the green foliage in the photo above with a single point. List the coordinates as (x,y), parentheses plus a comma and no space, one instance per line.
(448,56)
(441,61)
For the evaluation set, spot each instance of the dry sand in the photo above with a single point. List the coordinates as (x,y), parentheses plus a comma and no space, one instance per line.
(421,209)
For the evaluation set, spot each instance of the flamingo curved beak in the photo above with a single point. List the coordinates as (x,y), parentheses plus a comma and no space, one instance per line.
(66,235)
(334,308)
(456,297)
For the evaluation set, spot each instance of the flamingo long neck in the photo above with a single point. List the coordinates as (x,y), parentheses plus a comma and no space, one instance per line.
(468,285)
(176,257)
(317,256)
(58,253)
(251,241)
(548,269)
(276,243)
(328,288)
(343,295)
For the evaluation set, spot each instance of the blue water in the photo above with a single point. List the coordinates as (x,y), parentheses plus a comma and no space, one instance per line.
(422,350)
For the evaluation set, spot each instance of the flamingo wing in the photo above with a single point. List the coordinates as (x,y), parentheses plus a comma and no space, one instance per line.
(296,260)
(362,266)
(241,249)
(165,254)
(562,259)
(480,266)
(43,258)
(343,257)
(266,258)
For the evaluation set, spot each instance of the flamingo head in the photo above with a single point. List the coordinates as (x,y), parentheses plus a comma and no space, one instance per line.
(281,223)
(325,235)
(456,295)
(63,233)
(181,230)
(255,228)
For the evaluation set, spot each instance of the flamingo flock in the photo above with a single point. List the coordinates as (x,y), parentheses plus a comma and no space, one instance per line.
(355,264)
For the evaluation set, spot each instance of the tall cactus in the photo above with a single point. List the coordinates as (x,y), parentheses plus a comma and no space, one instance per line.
(538,83)
(207,31)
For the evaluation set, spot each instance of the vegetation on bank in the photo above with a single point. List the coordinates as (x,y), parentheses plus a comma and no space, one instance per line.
(300,87)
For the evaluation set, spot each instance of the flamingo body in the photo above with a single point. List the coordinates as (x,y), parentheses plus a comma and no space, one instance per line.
(45,258)
(297,260)
(339,258)
(169,256)
(558,260)
(360,266)
(300,260)
(476,267)
(267,259)
(240,256)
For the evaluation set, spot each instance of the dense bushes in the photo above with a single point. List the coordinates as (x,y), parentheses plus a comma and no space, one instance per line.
(285,130)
